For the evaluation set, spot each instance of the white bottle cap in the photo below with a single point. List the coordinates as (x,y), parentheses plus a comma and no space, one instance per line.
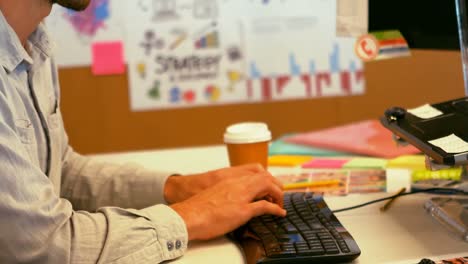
(249,132)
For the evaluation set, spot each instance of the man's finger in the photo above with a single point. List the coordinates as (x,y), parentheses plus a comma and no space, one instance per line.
(268,188)
(262,207)
(278,182)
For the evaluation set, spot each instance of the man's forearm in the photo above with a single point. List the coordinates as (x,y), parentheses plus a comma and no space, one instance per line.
(90,184)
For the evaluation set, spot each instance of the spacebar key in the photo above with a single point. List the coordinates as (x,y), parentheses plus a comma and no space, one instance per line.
(283,254)
(311,252)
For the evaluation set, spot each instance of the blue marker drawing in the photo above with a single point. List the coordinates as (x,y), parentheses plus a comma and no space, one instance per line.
(293,66)
(352,67)
(254,72)
(312,69)
(102,11)
(335,59)
(174,95)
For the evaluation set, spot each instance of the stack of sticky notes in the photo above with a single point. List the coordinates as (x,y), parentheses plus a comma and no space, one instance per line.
(284,153)
(309,162)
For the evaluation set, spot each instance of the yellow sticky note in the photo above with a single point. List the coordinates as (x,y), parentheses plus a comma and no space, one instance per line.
(412,162)
(445,174)
(287,160)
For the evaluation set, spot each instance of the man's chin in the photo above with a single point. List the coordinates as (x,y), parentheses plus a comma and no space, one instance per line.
(76,5)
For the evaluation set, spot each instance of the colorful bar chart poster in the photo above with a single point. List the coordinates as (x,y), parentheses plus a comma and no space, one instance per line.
(186,53)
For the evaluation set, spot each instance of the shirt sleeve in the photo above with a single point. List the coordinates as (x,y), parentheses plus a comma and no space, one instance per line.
(37,226)
(90,184)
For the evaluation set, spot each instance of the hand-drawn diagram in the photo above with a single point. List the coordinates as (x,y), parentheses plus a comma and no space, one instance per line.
(164,10)
(205,9)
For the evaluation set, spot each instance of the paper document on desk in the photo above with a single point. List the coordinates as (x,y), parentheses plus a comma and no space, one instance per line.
(367,137)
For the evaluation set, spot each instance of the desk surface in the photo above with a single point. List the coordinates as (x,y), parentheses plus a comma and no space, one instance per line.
(403,234)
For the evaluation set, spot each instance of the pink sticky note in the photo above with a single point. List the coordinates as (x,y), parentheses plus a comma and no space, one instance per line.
(108,58)
(325,164)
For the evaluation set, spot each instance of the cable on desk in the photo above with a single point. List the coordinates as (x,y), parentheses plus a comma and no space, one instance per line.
(443,191)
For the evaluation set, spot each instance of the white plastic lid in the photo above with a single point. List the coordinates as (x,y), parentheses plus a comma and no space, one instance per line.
(249,132)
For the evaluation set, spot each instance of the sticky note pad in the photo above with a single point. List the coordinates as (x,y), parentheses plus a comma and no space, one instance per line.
(325,163)
(108,58)
(413,162)
(444,174)
(288,160)
(366,163)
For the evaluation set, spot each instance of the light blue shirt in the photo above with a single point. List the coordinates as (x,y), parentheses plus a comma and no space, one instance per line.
(55,205)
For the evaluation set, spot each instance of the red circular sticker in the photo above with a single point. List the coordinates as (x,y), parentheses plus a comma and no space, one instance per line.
(367,47)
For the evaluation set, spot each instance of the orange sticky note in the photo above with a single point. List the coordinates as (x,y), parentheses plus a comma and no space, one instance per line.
(287,160)
(108,58)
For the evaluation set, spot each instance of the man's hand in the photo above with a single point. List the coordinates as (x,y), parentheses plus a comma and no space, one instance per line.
(178,189)
(229,204)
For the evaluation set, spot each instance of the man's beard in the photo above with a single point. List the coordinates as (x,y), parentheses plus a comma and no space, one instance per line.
(77,5)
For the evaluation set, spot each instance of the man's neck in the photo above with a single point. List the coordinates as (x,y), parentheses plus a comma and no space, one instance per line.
(25,15)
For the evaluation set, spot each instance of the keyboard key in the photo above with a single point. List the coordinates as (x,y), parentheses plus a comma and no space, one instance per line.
(332,250)
(301,246)
(283,238)
(290,229)
(311,252)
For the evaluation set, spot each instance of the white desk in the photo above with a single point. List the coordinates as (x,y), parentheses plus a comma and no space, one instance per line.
(403,234)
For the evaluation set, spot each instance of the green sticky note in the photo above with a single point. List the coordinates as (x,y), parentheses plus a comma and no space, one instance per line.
(280,147)
(366,163)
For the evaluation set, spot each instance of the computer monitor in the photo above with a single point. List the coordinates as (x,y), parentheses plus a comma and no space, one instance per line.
(426,24)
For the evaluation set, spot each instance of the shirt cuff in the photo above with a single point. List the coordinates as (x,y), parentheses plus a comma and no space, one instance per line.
(151,187)
(171,231)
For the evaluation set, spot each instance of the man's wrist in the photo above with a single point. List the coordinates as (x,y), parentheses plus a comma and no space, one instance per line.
(171,188)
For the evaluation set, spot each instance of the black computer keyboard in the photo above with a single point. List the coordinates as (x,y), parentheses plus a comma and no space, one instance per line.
(310,233)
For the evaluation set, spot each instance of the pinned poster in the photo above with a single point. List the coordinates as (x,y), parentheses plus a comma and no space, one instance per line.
(189,53)
(108,58)
(352,18)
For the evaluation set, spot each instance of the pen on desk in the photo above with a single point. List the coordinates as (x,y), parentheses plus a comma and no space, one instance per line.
(298,185)
(389,202)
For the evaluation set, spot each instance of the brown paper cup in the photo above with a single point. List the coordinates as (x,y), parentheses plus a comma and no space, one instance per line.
(247,143)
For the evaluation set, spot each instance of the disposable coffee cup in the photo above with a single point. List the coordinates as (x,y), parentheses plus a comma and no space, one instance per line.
(247,143)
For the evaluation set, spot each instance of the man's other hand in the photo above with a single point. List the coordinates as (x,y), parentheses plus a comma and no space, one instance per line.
(180,188)
(230,203)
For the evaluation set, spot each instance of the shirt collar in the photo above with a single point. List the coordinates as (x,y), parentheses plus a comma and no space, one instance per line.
(12,52)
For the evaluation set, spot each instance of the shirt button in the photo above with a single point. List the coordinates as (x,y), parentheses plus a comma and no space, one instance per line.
(170,245)
(178,244)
